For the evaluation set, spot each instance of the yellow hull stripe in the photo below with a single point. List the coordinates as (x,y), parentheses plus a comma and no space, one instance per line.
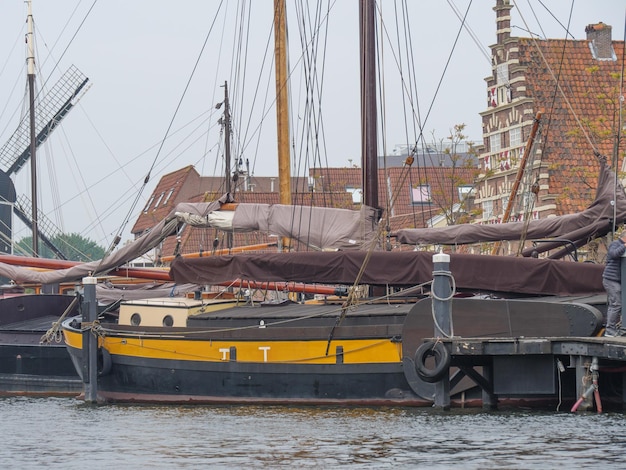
(356,351)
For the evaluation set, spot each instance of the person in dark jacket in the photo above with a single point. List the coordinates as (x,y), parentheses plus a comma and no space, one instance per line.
(612,282)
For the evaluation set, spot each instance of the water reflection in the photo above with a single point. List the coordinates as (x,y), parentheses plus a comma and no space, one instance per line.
(65,433)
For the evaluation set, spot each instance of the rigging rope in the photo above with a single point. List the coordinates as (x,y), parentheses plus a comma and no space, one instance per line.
(156,157)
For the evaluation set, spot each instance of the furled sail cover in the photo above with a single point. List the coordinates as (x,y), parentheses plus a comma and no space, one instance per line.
(320,228)
(596,219)
(400,268)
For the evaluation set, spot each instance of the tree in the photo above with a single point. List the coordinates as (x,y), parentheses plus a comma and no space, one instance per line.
(74,246)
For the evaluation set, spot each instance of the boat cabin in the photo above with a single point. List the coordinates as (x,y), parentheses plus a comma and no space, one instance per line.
(167,311)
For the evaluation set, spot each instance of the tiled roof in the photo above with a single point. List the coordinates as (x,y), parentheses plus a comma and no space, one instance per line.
(171,189)
(592,88)
(442,182)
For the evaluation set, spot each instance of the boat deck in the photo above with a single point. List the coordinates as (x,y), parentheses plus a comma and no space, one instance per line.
(34,324)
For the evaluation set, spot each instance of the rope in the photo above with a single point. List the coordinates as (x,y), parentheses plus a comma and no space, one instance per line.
(447,274)
(54,333)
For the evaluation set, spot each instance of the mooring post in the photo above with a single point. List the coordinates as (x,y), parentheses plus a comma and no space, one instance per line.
(442,295)
(90,341)
(442,305)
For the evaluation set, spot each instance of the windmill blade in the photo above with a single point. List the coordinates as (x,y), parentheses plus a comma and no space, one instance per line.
(46,228)
(49,112)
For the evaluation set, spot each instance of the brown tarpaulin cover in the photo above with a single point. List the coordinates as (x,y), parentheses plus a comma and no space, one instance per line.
(595,222)
(402,268)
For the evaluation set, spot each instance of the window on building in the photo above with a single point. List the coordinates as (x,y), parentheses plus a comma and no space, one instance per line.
(421,194)
(465,191)
(145,209)
(502,74)
(169,195)
(495,143)
(487,209)
(156,204)
(357,195)
(515,136)
(505,203)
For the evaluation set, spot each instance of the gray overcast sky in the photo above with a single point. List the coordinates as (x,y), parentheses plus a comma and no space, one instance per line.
(139,56)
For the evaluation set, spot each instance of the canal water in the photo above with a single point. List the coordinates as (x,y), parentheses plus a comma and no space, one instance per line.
(65,433)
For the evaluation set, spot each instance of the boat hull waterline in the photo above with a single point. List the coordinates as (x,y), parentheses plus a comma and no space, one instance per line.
(232,356)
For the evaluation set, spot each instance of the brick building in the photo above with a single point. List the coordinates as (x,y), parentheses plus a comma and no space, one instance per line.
(576,86)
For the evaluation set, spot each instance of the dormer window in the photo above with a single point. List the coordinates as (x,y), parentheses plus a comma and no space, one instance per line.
(420,195)
(145,210)
(158,201)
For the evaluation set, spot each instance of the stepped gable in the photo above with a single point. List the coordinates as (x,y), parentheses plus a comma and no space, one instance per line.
(592,87)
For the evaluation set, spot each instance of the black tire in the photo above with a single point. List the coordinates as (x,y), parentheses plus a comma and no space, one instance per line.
(104,362)
(442,361)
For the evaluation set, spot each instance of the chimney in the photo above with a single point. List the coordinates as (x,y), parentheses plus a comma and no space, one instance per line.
(503,20)
(600,41)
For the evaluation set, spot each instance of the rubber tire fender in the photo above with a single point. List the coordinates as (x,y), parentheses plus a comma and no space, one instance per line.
(104,362)
(442,361)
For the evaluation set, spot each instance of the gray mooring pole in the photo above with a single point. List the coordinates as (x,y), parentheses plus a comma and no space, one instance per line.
(442,308)
(441,299)
(90,341)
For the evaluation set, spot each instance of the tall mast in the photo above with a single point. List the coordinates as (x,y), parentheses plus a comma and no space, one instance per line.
(282,110)
(229,235)
(33,135)
(227,138)
(369,150)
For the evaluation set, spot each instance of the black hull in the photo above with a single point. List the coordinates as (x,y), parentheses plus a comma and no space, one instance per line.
(27,366)
(151,380)
(165,364)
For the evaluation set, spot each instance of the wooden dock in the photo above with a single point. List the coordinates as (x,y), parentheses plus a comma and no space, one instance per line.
(535,369)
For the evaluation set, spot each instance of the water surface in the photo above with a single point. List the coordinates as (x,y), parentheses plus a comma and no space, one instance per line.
(66,433)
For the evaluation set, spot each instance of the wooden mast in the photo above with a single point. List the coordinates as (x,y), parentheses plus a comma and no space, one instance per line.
(33,134)
(369,150)
(282,110)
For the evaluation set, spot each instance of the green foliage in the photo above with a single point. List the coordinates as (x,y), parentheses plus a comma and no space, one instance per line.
(74,246)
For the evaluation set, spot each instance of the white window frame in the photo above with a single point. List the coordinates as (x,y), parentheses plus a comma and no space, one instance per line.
(487,207)
(515,137)
(495,143)
(420,195)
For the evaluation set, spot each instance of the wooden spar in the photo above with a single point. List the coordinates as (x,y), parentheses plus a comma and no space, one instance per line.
(518,178)
(156,274)
(30,40)
(282,108)
(225,251)
(369,144)
(286,286)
